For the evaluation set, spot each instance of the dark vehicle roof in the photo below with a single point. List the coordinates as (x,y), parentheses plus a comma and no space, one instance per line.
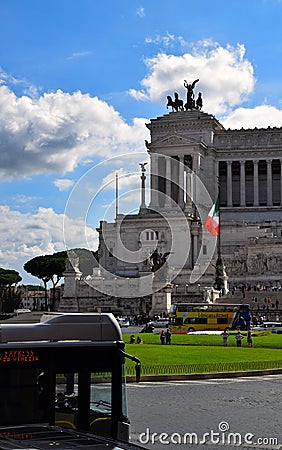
(40,437)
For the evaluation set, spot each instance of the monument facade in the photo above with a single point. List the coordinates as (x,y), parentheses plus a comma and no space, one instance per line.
(191,155)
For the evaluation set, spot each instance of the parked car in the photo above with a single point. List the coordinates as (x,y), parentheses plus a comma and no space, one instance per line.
(267,326)
(22,311)
(159,323)
(123,322)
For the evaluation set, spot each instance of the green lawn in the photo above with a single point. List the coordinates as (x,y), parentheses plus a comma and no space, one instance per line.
(260,339)
(154,354)
(205,350)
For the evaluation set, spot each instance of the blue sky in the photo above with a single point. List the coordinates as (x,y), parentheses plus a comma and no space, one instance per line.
(80,79)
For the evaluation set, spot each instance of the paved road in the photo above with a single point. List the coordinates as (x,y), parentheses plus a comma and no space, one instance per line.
(246,406)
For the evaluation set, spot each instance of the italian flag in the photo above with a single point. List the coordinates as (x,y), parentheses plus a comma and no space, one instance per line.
(212,222)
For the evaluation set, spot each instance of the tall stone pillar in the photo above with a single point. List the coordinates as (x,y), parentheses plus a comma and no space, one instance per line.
(242,184)
(72,275)
(143,179)
(161,298)
(195,240)
(168,202)
(280,182)
(181,182)
(256,183)
(188,201)
(229,183)
(269,182)
(216,179)
(154,181)
(194,174)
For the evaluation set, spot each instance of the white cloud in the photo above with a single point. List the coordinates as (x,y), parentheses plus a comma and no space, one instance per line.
(79,55)
(126,179)
(29,235)
(63,184)
(167,40)
(28,88)
(261,117)
(23,199)
(140,12)
(226,77)
(57,131)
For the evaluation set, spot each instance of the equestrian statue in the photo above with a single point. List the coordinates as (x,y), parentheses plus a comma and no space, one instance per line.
(178,105)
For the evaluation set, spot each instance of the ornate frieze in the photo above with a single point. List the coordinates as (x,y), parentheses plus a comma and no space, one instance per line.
(251,139)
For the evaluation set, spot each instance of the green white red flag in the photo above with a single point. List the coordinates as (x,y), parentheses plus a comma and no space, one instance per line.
(212,222)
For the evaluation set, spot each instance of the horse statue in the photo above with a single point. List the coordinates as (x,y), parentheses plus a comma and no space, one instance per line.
(199,102)
(176,104)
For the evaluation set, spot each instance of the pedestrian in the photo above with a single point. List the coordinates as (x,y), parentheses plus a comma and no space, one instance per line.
(139,340)
(249,339)
(224,338)
(132,339)
(162,337)
(168,336)
(239,338)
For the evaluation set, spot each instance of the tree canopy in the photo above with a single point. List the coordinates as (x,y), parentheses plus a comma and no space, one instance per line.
(51,267)
(9,298)
(8,277)
(47,268)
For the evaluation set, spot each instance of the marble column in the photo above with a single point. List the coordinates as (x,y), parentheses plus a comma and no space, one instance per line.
(194,174)
(269,182)
(256,182)
(242,184)
(229,183)
(154,180)
(188,199)
(280,182)
(217,179)
(168,181)
(181,181)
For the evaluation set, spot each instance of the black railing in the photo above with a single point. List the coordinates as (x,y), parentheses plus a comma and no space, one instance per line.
(185,369)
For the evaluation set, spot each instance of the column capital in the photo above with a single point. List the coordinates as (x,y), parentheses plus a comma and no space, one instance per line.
(229,163)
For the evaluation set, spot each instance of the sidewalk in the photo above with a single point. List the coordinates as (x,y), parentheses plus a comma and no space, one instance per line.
(204,376)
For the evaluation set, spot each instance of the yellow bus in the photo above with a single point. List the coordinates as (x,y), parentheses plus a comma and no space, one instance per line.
(188,317)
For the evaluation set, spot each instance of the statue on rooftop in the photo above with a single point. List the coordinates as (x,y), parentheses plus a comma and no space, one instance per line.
(190,94)
(177,104)
(199,101)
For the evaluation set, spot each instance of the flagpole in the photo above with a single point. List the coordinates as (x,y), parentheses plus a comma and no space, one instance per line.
(116,194)
(219,218)
(221,275)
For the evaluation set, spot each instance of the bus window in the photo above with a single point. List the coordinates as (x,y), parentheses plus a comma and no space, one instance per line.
(222,320)
(193,320)
(178,321)
(21,396)
(100,395)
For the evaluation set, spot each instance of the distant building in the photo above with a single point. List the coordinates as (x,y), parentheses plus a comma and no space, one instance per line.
(33,297)
(189,151)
